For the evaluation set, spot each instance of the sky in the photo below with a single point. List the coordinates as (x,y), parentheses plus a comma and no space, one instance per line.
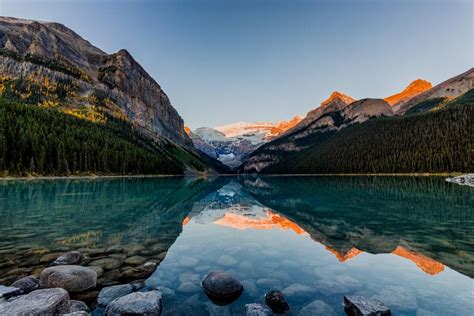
(224,61)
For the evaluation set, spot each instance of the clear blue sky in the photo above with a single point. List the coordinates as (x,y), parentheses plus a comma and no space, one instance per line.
(267,60)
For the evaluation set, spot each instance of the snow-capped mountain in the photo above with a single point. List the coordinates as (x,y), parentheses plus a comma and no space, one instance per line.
(230,143)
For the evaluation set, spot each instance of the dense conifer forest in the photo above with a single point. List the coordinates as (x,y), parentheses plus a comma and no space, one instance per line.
(437,141)
(38,141)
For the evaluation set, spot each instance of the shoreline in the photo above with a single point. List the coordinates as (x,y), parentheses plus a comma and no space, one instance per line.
(92,177)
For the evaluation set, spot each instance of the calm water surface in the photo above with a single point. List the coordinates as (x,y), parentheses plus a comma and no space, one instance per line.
(407,241)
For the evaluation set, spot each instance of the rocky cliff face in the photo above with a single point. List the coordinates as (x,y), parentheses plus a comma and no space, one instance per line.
(71,74)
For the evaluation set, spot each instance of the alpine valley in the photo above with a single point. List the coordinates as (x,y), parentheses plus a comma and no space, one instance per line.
(68,108)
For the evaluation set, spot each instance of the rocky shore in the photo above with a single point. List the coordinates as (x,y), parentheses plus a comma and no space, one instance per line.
(70,286)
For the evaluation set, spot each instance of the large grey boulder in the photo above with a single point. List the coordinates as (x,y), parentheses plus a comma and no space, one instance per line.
(71,257)
(40,302)
(221,287)
(255,309)
(110,293)
(26,284)
(356,305)
(70,277)
(317,308)
(138,303)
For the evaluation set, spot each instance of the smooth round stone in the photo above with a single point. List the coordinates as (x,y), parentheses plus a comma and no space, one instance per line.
(70,277)
(277,302)
(78,306)
(53,301)
(132,250)
(317,307)
(221,285)
(114,249)
(110,293)
(226,260)
(71,257)
(188,287)
(138,303)
(135,260)
(267,282)
(298,290)
(255,309)
(106,263)
(26,284)
(98,270)
(188,262)
(189,277)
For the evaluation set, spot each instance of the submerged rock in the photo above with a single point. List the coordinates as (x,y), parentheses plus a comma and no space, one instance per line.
(110,293)
(138,303)
(356,305)
(26,284)
(8,291)
(40,302)
(277,302)
(70,277)
(71,257)
(317,307)
(221,287)
(106,263)
(255,309)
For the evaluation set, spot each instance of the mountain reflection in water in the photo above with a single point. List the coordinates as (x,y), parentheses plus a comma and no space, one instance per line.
(405,240)
(281,232)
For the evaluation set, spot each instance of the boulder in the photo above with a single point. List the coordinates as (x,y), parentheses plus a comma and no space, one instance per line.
(255,309)
(106,263)
(277,302)
(26,284)
(141,272)
(317,307)
(135,260)
(78,306)
(70,277)
(71,257)
(221,287)
(9,291)
(110,293)
(40,302)
(356,305)
(138,303)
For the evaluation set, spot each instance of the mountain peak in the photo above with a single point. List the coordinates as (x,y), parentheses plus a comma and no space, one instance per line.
(414,88)
(337,95)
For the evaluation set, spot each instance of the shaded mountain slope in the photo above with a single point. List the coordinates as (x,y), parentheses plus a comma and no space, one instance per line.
(435,141)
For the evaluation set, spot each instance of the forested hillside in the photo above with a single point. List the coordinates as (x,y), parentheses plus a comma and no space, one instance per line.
(440,140)
(38,141)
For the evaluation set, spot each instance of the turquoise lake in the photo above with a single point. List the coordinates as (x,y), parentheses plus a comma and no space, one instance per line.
(408,241)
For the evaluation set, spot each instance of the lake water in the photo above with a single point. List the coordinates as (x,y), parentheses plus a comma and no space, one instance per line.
(408,241)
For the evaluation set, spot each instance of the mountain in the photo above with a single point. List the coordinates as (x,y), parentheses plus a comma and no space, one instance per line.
(414,88)
(365,137)
(231,143)
(438,94)
(336,101)
(48,65)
